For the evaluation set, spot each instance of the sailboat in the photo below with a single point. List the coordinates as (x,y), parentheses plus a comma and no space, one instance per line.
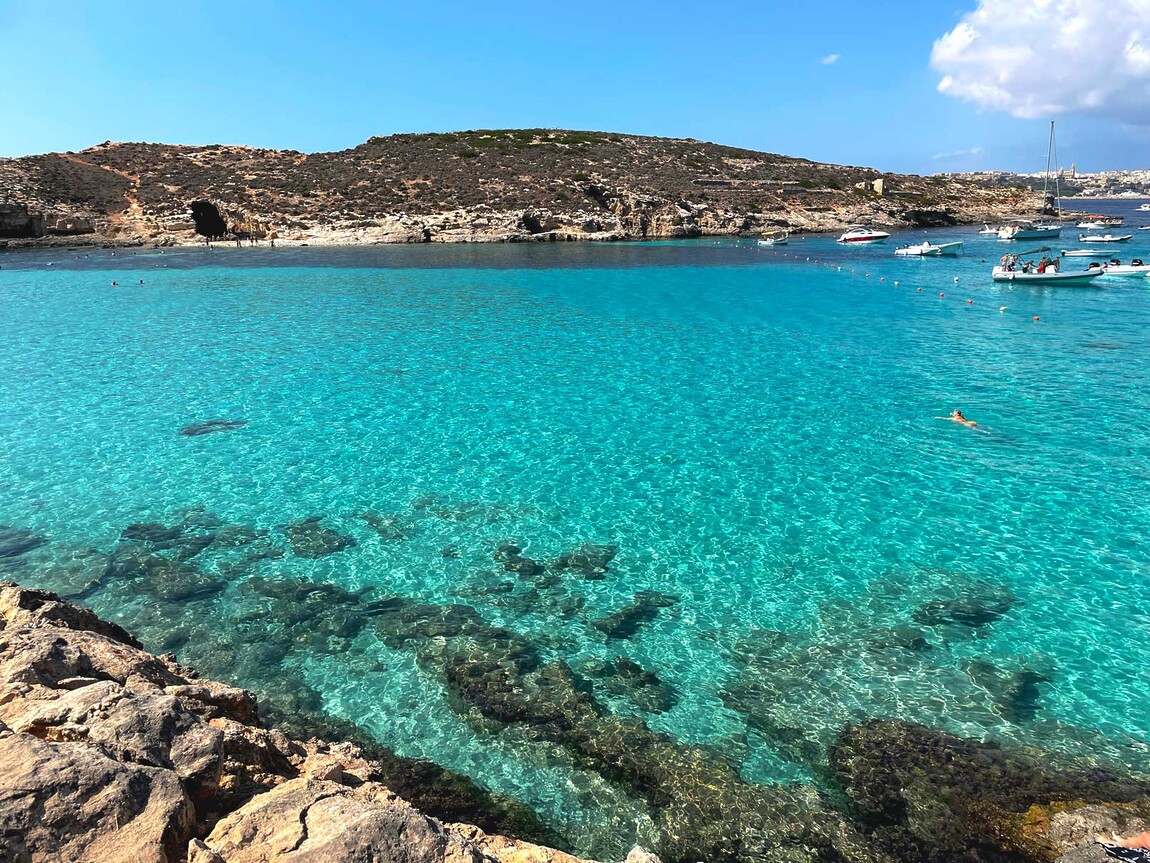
(1028,229)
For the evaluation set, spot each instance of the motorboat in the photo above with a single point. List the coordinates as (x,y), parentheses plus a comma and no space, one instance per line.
(1002,274)
(1104,238)
(1134,268)
(1082,253)
(986,229)
(774,238)
(927,249)
(1098,222)
(1024,229)
(858,235)
(1145,208)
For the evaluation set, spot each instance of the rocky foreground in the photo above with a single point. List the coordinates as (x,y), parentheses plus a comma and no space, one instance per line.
(108,753)
(512,185)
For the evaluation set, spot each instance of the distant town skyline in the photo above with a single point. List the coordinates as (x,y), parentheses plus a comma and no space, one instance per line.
(920,88)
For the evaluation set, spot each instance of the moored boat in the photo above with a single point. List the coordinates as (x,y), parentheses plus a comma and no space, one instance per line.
(1117,268)
(1098,222)
(1002,274)
(859,235)
(986,229)
(774,238)
(1024,229)
(1104,238)
(927,249)
(1145,208)
(1082,253)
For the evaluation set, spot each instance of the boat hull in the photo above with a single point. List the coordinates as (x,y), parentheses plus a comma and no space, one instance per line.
(1106,238)
(1002,275)
(1030,234)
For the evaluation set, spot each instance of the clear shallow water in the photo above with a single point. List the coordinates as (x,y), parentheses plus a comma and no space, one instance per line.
(754,430)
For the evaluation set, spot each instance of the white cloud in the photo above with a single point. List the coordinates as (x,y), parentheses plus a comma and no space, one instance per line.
(1040,58)
(830,58)
(954,154)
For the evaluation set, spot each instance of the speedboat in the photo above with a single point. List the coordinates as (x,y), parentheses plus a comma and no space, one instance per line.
(927,249)
(774,238)
(1001,274)
(1081,253)
(1134,268)
(1098,222)
(1022,229)
(1145,208)
(858,235)
(1104,238)
(986,229)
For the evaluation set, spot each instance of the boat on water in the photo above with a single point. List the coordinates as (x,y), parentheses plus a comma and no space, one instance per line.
(1116,268)
(859,235)
(1050,277)
(987,229)
(1104,238)
(927,249)
(1098,222)
(774,238)
(1025,229)
(1145,208)
(1082,253)
(1030,229)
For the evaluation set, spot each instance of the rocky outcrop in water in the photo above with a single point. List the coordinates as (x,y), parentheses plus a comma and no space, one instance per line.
(110,754)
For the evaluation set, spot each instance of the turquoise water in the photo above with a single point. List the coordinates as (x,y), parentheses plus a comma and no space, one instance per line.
(754,429)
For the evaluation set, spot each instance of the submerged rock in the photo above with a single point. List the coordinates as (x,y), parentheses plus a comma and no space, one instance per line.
(15,541)
(590,560)
(625,678)
(626,621)
(311,539)
(971,605)
(211,426)
(393,528)
(925,795)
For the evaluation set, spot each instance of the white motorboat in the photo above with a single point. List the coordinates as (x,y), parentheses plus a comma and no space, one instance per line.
(1002,274)
(986,229)
(858,235)
(774,238)
(1023,229)
(927,249)
(1082,253)
(1134,268)
(1104,238)
(1145,208)
(1098,222)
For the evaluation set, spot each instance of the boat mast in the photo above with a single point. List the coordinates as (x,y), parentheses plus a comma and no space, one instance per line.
(1053,148)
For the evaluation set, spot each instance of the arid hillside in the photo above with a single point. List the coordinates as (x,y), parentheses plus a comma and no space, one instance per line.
(487,185)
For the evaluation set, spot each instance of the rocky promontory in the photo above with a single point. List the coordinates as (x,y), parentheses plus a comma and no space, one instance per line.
(475,186)
(109,753)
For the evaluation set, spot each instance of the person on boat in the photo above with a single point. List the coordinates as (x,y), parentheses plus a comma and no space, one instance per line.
(1042,264)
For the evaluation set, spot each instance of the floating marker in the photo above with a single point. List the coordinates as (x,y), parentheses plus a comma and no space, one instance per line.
(896,283)
(1002,308)
(1036,317)
(941,294)
(970,302)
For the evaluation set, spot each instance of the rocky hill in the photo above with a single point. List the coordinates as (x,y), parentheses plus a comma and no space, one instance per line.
(474,186)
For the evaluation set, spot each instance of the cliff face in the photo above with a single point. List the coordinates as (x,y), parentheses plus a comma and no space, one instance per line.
(493,185)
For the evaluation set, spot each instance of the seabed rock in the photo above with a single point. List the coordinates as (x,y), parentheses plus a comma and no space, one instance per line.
(590,560)
(626,621)
(311,539)
(211,427)
(15,541)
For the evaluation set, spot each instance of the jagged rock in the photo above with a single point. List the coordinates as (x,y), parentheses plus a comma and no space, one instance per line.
(15,541)
(929,796)
(211,426)
(312,821)
(70,801)
(311,539)
(30,607)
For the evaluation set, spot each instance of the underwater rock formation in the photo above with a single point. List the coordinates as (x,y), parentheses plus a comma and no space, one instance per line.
(15,541)
(311,539)
(211,426)
(625,622)
(925,795)
(589,560)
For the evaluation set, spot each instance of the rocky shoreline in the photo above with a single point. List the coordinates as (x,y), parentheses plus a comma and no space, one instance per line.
(109,753)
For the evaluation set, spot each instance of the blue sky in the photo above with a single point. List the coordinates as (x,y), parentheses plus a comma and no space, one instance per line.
(757,75)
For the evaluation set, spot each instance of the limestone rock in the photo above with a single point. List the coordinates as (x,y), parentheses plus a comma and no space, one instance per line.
(313,821)
(69,801)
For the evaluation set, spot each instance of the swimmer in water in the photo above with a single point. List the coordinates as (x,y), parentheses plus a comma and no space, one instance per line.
(957,417)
